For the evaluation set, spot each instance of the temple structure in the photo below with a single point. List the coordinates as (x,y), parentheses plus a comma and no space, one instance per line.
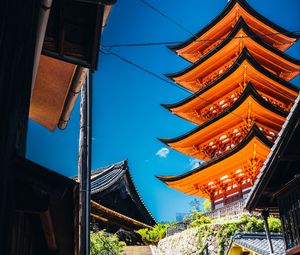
(116,204)
(240,80)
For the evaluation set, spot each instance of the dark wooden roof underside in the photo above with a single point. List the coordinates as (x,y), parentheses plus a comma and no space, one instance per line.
(73,32)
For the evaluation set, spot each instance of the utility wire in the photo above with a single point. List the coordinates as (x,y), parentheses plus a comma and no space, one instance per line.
(167,81)
(214,39)
(167,17)
(197,40)
(102,50)
(107,50)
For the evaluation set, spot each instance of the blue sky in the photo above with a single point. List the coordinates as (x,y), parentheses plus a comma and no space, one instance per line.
(127,116)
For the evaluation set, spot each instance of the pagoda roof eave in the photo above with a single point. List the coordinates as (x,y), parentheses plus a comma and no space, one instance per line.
(249,91)
(241,24)
(223,13)
(254,132)
(244,55)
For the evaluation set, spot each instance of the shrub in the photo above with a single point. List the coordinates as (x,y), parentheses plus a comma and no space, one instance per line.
(254,224)
(199,219)
(153,235)
(104,244)
(207,206)
(274,225)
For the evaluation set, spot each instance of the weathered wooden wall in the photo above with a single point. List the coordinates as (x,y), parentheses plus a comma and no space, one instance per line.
(18,21)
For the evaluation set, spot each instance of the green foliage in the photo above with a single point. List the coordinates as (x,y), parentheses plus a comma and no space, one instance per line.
(198,219)
(207,206)
(274,225)
(254,224)
(105,245)
(153,235)
(224,230)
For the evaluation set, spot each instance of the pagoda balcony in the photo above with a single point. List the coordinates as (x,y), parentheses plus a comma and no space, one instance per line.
(227,141)
(235,208)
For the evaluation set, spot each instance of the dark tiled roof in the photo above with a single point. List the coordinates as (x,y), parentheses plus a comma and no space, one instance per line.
(258,242)
(107,179)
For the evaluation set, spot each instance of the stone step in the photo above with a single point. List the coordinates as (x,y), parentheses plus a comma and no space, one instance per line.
(137,250)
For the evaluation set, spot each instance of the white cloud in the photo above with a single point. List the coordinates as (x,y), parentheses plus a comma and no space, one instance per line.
(163,152)
(193,162)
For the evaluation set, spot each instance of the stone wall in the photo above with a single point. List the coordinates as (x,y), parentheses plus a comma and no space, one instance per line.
(190,242)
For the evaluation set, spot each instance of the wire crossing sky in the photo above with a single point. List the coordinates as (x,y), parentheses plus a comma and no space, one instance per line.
(129,87)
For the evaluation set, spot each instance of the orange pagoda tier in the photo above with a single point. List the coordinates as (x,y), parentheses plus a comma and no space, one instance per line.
(240,80)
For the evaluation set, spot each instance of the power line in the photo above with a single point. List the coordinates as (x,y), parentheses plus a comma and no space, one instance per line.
(167,17)
(167,81)
(197,40)
(109,52)
(215,39)
(141,68)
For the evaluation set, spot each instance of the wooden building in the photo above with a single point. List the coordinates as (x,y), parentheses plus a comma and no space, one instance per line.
(277,188)
(38,207)
(241,95)
(116,203)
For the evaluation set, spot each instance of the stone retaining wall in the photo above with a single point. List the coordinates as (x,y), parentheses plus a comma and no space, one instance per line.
(188,243)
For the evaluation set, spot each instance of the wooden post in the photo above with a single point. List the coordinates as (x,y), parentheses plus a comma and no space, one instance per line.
(84,164)
(265,215)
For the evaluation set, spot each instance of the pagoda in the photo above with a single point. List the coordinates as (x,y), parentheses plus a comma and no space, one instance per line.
(241,95)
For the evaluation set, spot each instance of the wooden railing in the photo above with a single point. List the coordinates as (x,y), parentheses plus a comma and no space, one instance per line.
(232,209)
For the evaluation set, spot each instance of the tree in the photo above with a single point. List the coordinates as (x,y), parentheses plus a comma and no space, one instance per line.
(207,206)
(196,205)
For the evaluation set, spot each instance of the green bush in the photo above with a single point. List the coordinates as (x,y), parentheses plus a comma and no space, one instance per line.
(105,245)
(225,230)
(207,206)
(199,219)
(274,225)
(254,224)
(154,235)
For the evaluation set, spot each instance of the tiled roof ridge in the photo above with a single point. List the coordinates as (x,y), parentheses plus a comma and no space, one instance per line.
(109,167)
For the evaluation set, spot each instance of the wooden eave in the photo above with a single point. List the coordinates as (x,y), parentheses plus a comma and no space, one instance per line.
(264,81)
(215,169)
(222,24)
(220,60)
(102,213)
(263,113)
(52,84)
